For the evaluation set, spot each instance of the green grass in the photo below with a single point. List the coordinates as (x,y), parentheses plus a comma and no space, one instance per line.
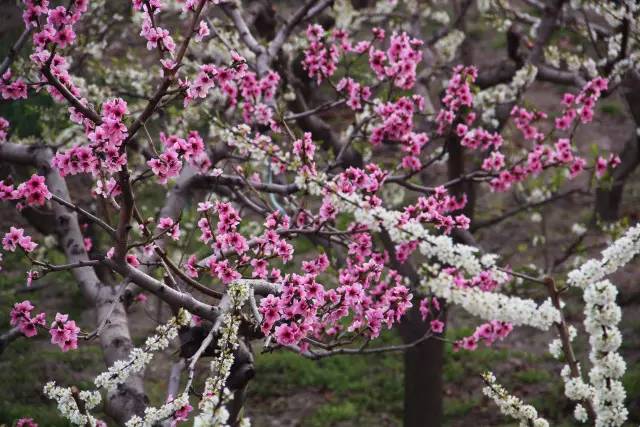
(612,109)
(457,408)
(353,386)
(27,364)
(533,376)
(330,414)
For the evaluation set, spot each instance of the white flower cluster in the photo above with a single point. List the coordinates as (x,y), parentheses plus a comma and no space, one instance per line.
(614,257)
(511,406)
(613,12)
(140,357)
(447,46)
(152,416)
(574,387)
(68,406)
(602,316)
(580,414)
(213,412)
(555,346)
(487,99)
(578,229)
(495,306)
(312,186)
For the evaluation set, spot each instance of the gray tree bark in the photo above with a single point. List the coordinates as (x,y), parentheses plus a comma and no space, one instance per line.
(115,339)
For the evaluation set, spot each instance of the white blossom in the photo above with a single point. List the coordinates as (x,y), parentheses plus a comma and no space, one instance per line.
(68,406)
(511,406)
(140,357)
(618,254)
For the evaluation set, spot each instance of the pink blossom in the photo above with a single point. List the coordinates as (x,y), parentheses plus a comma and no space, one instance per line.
(182,414)
(16,238)
(20,316)
(173,228)
(437,326)
(4,129)
(141,298)
(26,422)
(64,332)
(203,31)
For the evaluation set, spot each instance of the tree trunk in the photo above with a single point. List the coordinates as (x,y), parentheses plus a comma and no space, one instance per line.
(423,383)
(608,199)
(115,340)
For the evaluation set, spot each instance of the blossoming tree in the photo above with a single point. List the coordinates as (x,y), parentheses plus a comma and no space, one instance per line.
(349,125)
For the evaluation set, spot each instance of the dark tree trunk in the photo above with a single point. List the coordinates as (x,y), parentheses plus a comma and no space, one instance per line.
(423,383)
(609,198)
(423,363)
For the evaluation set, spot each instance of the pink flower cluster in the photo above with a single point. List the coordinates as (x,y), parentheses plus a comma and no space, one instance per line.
(4,129)
(603,164)
(258,94)
(64,332)
(77,159)
(304,308)
(488,333)
(543,156)
(478,138)
(181,414)
(397,126)
(20,316)
(581,105)
(457,97)
(169,163)
(59,68)
(33,192)
(540,158)
(237,83)
(321,58)
(483,280)
(304,149)
(523,120)
(430,308)
(157,37)
(12,90)
(432,210)
(356,93)
(169,226)
(355,179)
(106,141)
(26,422)
(58,28)
(400,61)
(16,238)
(227,239)
(108,188)
(54,29)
